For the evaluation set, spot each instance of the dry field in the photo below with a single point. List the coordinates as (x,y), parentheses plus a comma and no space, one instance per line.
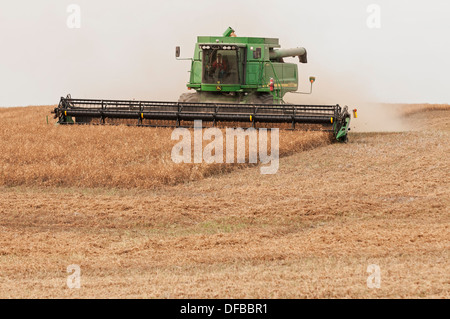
(35,153)
(109,200)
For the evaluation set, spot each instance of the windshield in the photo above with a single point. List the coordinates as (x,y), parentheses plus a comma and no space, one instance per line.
(220,66)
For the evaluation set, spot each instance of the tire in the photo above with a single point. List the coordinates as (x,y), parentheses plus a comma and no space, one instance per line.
(188,97)
(264,98)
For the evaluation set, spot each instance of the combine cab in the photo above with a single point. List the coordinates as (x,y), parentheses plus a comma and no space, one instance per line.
(241,70)
(238,81)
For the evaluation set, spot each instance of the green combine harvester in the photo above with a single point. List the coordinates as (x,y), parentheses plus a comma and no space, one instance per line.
(237,81)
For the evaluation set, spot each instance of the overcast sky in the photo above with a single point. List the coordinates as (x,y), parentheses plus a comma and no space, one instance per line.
(125,49)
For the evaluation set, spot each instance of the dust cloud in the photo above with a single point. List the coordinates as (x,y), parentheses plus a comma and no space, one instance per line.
(375,117)
(348,90)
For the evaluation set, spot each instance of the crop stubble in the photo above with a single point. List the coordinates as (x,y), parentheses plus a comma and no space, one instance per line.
(310,230)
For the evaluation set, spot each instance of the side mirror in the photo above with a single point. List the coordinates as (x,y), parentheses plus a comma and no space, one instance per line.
(312,79)
(177,54)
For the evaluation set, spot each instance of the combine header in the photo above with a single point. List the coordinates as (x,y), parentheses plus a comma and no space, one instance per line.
(238,81)
(182,114)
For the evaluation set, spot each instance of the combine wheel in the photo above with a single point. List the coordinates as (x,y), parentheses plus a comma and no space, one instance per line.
(188,97)
(263,99)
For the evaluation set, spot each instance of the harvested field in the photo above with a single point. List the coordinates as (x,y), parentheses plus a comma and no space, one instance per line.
(412,109)
(309,231)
